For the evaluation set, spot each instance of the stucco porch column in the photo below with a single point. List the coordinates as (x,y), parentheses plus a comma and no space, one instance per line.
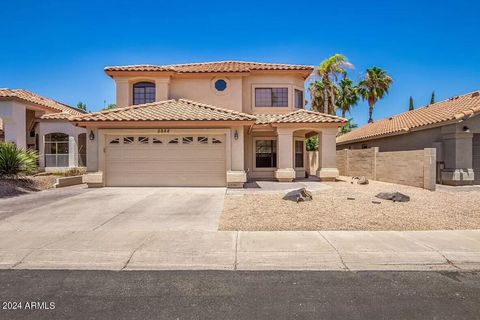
(458,157)
(14,123)
(327,154)
(285,169)
(236,176)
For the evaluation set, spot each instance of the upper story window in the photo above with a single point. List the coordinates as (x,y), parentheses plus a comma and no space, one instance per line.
(143,92)
(271,97)
(299,99)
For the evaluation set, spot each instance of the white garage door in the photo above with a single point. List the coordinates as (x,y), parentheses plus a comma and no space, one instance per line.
(165,160)
(476,157)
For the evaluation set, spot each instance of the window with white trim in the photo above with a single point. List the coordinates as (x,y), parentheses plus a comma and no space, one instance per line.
(56,150)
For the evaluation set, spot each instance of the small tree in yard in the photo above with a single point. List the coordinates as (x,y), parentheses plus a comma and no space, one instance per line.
(411,106)
(432,99)
(15,161)
(312,143)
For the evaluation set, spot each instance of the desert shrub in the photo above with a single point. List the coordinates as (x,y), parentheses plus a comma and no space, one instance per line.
(74,172)
(15,161)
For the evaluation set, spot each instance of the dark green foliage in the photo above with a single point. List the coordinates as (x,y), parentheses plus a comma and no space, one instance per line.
(15,161)
(411,106)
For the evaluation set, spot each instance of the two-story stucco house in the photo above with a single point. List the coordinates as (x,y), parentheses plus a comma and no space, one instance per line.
(206,124)
(42,124)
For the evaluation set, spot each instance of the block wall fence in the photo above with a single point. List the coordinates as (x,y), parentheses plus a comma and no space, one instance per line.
(415,168)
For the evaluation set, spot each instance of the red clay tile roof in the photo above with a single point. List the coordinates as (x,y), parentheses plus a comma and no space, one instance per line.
(30,97)
(448,110)
(169,110)
(299,116)
(187,110)
(211,67)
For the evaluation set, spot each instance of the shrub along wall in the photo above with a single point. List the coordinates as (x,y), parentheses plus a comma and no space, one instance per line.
(412,168)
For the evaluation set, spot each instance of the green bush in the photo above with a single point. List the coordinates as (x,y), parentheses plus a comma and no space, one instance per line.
(74,172)
(15,161)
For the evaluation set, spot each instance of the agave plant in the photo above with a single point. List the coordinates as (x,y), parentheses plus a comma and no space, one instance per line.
(15,161)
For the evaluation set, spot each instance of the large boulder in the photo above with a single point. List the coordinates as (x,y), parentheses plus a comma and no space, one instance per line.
(298,195)
(393,196)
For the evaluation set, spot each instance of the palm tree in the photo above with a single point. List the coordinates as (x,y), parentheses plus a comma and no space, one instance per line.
(329,71)
(374,87)
(347,96)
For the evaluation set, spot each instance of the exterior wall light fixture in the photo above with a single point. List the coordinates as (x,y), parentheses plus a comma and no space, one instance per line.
(91,136)
(235,135)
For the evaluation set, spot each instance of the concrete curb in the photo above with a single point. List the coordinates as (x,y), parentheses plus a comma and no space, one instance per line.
(232,250)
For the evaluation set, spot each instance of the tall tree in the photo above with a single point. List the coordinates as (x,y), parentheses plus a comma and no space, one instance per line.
(81,106)
(347,96)
(411,106)
(374,87)
(432,99)
(330,70)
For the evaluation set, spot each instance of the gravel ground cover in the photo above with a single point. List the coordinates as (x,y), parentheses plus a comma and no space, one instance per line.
(16,187)
(446,209)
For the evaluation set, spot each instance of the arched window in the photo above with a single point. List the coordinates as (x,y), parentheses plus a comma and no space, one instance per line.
(56,150)
(143,92)
(82,150)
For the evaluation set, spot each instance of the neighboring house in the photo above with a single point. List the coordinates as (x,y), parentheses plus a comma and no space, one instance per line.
(451,126)
(39,123)
(206,124)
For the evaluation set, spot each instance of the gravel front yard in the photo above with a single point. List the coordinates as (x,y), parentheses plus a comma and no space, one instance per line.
(446,208)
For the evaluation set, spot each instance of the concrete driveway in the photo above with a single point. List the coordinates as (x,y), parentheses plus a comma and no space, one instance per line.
(114,209)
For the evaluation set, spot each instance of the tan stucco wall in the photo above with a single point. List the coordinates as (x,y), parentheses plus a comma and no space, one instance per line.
(414,168)
(238,96)
(201,89)
(291,81)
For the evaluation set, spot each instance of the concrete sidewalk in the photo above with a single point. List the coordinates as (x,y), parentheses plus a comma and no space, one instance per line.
(196,250)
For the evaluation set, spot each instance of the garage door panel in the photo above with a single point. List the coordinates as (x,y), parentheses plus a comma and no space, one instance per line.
(148,164)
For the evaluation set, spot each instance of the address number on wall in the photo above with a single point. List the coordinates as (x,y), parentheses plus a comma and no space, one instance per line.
(163,130)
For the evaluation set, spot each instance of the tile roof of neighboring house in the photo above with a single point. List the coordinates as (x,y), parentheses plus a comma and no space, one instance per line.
(299,116)
(210,67)
(169,110)
(451,109)
(27,96)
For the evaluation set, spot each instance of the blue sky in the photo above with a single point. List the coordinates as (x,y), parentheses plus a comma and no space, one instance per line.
(59,48)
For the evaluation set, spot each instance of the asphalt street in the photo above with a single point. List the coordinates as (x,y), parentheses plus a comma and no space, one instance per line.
(38,294)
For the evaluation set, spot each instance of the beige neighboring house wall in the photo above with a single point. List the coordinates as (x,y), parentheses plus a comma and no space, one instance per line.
(27,117)
(450,126)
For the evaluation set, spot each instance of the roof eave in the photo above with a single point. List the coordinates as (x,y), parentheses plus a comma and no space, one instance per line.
(397,133)
(162,123)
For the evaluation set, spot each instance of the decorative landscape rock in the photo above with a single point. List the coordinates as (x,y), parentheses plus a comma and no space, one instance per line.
(394,196)
(360,180)
(298,195)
